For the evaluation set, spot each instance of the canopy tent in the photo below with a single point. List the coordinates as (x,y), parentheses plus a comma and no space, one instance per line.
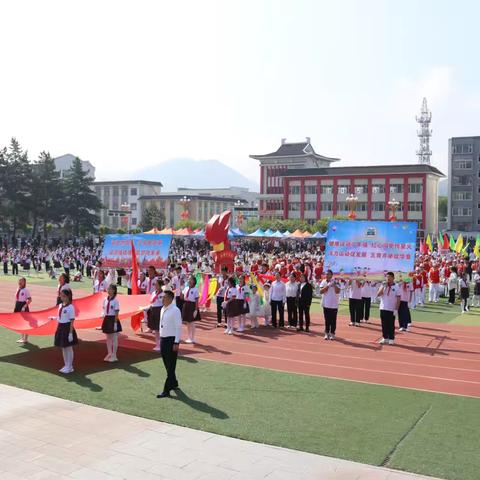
(319,235)
(257,233)
(154,231)
(306,234)
(277,234)
(297,234)
(268,233)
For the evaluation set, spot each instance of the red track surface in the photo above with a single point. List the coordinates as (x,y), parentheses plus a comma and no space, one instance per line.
(433,357)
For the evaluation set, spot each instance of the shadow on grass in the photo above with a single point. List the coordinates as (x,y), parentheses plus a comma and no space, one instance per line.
(181,396)
(88,360)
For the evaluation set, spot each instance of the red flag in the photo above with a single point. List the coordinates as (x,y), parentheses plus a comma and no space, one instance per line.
(135,320)
(423,247)
(135,289)
(446,242)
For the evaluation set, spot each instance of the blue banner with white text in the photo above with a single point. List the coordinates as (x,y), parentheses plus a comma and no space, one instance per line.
(370,247)
(151,249)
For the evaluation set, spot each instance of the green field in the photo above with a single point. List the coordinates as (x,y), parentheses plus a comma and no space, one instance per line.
(433,434)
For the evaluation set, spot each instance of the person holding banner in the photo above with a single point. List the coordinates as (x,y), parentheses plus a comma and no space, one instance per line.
(190,311)
(330,291)
(153,313)
(355,304)
(22,302)
(111,325)
(390,296)
(151,280)
(63,284)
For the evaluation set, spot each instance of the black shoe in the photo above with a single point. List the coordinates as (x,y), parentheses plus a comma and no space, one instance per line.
(299,329)
(176,387)
(307,329)
(164,395)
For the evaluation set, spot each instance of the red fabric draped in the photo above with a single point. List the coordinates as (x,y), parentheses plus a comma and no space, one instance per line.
(88,314)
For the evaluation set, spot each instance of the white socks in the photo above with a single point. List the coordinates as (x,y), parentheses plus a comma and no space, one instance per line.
(191,331)
(67,353)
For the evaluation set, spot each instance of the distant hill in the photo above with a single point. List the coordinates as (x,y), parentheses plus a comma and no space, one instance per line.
(186,172)
(443,188)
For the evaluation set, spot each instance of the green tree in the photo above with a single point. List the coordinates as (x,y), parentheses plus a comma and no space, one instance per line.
(80,202)
(16,183)
(152,217)
(47,192)
(189,224)
(442,207)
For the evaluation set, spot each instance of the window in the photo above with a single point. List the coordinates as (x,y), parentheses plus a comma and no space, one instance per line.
(326,207)
(310,206)
(294,206)
(462,195)
(461,211)
(462,164)
(462,180)
(133,192)
(310,189)
(343,189)
(133,206)
(396,188)
(414,206)
(378,188)
(134,221)
(463,148)
(326,189)
(361,188)
(341,206)
(415,188)
(106,191)
(378,206)
(294,189)
(362,207)
(115,191)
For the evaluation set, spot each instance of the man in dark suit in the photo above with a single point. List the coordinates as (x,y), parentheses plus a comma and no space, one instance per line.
(304,301)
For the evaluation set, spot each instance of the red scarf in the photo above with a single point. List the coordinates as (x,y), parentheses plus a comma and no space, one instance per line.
(188,293)
(60,312)
(108,307)
(154,299)
(226,293)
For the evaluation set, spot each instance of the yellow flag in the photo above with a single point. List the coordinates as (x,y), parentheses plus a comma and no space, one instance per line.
(257,284)
(428,242)
(459,244)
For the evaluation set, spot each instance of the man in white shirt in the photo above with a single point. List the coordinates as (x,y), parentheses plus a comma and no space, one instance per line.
(330,291)
(170,334)
(292,294)
(389,295)
(278,297)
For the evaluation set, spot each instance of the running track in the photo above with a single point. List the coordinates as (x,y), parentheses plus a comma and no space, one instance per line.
(433,357)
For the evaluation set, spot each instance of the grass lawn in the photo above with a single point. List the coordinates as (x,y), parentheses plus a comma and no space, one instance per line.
(420,432)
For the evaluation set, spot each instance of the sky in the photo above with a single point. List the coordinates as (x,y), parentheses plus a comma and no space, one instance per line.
(128,84)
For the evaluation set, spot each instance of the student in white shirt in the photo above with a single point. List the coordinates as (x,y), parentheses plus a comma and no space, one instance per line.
(190,312)
(170,332)
(153,313)
(330,290)
(254,307)
(65,335)
(111,325)
(366,301)
(389,302)
(100,284)
(151,281)
(267,309)
(231,305)
(355,304)
(291,288)
(22,302)
(62,285)
(142,283)
(243,295)
(406,295)
(278,297)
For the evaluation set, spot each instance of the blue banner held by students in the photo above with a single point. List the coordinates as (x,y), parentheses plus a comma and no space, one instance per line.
(151,249)
(370,247)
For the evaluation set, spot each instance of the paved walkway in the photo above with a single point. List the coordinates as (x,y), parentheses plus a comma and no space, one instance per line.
(46,438)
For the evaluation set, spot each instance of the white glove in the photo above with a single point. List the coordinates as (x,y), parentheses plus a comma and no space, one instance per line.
(70,337)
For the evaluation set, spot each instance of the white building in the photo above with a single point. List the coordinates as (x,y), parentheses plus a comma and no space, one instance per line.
(122,208)
(64,163)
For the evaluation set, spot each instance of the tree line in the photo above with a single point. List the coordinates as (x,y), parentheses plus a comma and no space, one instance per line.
(34,200)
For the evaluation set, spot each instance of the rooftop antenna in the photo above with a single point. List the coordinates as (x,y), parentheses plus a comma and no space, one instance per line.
(424,133)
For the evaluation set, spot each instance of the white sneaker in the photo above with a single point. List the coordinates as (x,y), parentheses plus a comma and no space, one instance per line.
(391,342)
(332,337)
(64,369)
(351,324)
(383,341)
(401,329)
(230,332)
(156,348)
(240,330)
(70,370)
(407,329)
(113,359)
(326,336)
(107,358)
(188,340)
(226,330)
